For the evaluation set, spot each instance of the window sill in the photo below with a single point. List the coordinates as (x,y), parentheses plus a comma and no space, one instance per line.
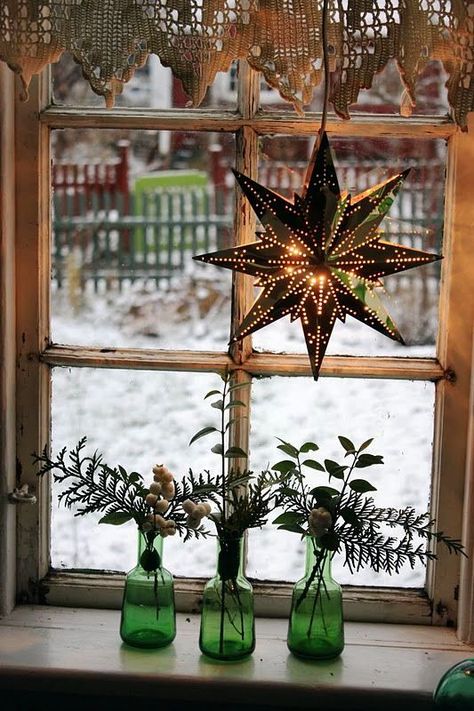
(75,651)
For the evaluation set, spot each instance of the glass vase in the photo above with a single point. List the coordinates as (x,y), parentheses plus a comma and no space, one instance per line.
(455,690)
(227,618)
(148,611)
(316,627)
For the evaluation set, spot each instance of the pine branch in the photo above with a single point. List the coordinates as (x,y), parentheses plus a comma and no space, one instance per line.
(91,486)
(412,523)
(369,547)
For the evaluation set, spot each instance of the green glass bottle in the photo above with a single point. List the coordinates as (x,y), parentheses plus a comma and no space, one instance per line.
(148,611)
(316,627)
(227,618)
(455,690)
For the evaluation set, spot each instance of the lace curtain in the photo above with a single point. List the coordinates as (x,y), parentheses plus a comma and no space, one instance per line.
(280,38)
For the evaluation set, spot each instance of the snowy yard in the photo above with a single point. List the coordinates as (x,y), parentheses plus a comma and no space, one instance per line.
(139,418)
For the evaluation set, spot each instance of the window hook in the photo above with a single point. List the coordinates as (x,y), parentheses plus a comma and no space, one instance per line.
(22,495)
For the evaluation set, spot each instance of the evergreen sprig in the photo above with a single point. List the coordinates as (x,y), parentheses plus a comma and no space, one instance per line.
(355,525)
(242,500)
(89,485)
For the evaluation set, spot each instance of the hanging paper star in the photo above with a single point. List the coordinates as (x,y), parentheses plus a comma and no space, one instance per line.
(321,256)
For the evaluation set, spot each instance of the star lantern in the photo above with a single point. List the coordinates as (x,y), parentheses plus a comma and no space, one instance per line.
(321,256)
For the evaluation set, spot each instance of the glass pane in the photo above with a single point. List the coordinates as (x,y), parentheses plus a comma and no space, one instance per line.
(153,86)
(397,414)
(130,210)
(386,95)
(414,220)
(136,419)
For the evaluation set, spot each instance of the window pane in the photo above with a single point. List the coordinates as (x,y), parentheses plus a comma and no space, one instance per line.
(386,95)
(397,414)
(130,210)
(136,419)
(153,86)
(414,220)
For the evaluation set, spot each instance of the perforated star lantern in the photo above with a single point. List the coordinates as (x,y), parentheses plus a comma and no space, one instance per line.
(321,256)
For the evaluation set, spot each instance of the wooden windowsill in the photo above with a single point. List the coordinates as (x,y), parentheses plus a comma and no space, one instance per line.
(58,650)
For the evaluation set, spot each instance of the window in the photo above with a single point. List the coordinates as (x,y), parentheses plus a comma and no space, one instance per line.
(438,381)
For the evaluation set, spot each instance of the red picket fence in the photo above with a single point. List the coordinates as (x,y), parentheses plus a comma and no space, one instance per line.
(78,184)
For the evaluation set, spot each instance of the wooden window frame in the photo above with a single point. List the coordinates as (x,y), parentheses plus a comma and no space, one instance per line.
(29,131)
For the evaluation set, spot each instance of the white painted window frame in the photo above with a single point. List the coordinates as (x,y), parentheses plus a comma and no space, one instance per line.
(25,162)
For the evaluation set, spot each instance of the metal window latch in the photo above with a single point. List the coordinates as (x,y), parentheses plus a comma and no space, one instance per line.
(21,495)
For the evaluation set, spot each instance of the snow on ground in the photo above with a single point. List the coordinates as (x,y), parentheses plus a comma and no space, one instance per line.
(138,418)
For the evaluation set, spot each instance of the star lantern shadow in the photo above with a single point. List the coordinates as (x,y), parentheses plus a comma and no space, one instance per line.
(321,256)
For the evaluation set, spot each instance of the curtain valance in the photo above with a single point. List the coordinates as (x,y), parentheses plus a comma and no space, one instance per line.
(281,38)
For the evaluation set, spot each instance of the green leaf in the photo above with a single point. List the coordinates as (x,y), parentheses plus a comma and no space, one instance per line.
(288,448)
(313,464)
(361,486)
(235,452)
(134,477)
(294,528)
(289,518)
(232,388)
(309,447)
(235,403)
(330,541)
(346,443)
(211,393)
(218,404)
(350,517)
(334,469)
(284,466)
(324,491)
(217,448)
(116,518)
(202,433)
(235,419)
(365,444)
(368,460)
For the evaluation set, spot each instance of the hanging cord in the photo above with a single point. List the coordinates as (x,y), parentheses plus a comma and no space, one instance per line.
(322,128)
(327,77)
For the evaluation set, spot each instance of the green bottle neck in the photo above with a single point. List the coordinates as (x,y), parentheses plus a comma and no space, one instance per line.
(312,550)
(230,558)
